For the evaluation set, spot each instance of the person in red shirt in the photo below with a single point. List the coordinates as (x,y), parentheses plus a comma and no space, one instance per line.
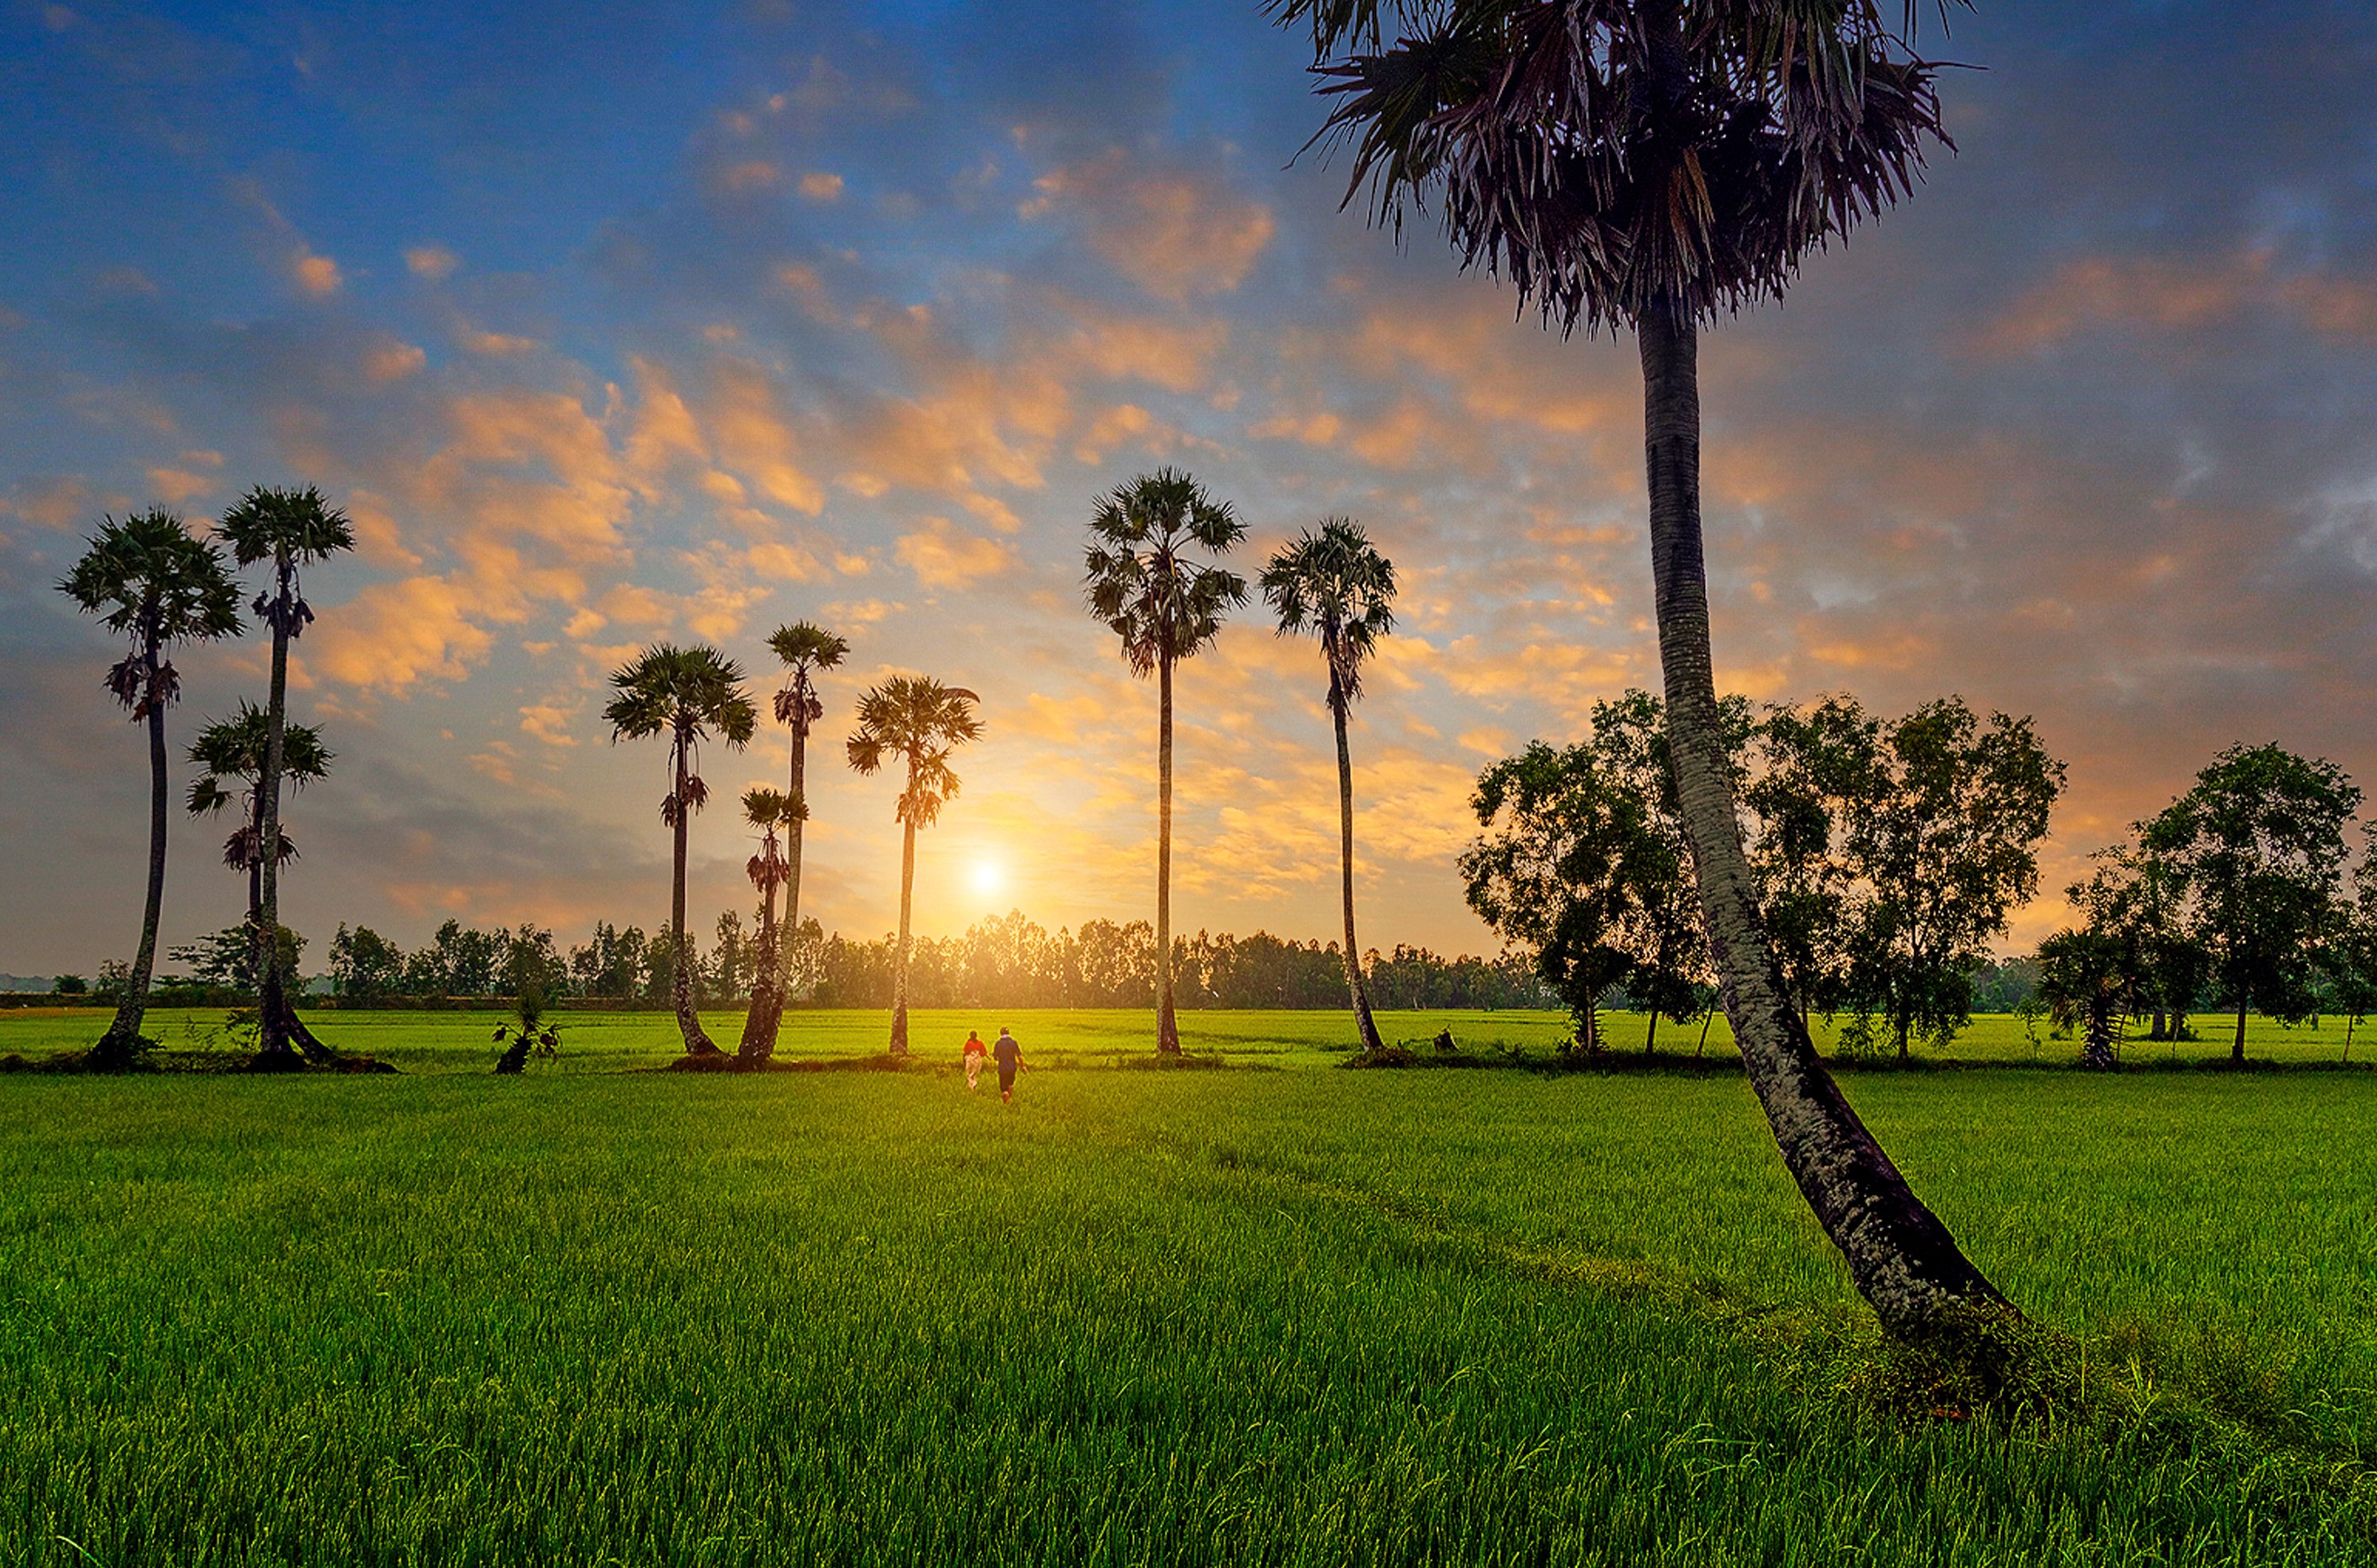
(975,1052)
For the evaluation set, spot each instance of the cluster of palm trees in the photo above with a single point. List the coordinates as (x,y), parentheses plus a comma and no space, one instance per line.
(153,579)
(1153,578)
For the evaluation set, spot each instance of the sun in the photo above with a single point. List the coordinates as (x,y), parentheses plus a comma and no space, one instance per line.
(989,876)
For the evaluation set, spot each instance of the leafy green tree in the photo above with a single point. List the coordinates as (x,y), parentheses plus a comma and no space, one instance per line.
(804,650)
(687,694)
(2091,979)
(235,751)
(291,529)
(1548,872)
(1147,580)
(1335,586)
(2141,897)
(365,965)
(1811,767)
(1942,844)
(1652,165)
(2349,956)
(919,722)
(149,579)
(767,810)
(2259,842)
(1582,865)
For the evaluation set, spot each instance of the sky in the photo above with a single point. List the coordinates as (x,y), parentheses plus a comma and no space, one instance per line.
(614,323)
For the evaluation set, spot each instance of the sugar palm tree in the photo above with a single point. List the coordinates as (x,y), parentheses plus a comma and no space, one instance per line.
(1649,165)
(921,722)
(1334,585)
(291,529)
(805,649)
(686,694)
(148,578)
(233,750)
(767,809)
(2090,978)
(1146,583)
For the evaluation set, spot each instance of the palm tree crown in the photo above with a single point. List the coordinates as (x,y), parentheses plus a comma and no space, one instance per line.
(803,647)
(918,718)
(1142,582)
(689,692)
(149,576)
(1609,157)
(291,529)
(768,810)
(1334,585)
(233,749)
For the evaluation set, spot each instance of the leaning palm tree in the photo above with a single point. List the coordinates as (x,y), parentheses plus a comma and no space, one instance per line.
(291,529)
(233,751)
(685,693)
(767,809)
(1650,164)
(1335,586)
(806,648)
(920,721)
(148,577)
(1146,583)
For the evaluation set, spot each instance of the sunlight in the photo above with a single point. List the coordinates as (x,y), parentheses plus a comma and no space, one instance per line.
(989,877)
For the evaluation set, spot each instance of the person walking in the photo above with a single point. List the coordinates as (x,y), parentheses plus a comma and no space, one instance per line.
(974,1053)
(1010,1057)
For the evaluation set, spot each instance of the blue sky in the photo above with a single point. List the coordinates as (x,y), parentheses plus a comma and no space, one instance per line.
(616,323)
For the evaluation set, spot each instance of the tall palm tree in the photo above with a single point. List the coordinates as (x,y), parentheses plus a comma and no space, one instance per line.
(1649,165)
(767,809)
(233,750)
(150,578)
(685,693)
(1146,583)
(1334,585)
(291,529)
(918,720)
(805,649)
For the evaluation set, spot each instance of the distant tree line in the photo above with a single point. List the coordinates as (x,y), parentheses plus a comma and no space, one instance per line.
(1008,960)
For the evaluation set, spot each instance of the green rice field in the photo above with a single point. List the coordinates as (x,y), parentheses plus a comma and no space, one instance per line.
(592,1314)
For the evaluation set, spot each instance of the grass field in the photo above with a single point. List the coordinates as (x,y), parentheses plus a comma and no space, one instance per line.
(1301,1316)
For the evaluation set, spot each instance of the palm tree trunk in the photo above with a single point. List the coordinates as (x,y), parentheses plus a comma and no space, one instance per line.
(1167,1027)
(900,962)
(688,1022)
(1363,1023)
(1902,1259)
(271,994)
(792,835)
(767,1010)
(122,1039)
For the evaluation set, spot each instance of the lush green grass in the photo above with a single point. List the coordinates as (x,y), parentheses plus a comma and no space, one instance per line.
(436,1041)
(1305,1316)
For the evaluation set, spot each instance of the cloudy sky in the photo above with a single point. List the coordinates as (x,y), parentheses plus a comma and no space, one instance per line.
(614,322)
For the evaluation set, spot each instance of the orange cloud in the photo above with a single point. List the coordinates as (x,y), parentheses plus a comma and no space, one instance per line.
(944,556)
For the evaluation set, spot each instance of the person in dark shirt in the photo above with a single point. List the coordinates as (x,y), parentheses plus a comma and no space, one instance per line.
(1009,1055)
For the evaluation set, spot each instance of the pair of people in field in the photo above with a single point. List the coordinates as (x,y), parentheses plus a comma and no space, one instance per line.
(1004,1051)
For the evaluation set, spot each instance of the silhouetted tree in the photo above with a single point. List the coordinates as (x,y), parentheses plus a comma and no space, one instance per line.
(1334,585)
(768,810)
(805,650)
(291,529)
(688,694)
(149,579)
(1146,583)
(920,722)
